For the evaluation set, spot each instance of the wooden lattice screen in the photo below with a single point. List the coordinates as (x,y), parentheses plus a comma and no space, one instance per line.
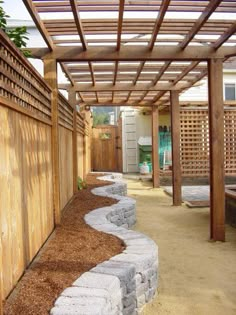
(195,142)
(230,141)
(21,85)
(65,113)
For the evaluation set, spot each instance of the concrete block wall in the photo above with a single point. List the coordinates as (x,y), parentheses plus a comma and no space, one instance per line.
(126,282)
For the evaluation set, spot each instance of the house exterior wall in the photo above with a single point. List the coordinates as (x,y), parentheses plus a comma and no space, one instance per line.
(143,121)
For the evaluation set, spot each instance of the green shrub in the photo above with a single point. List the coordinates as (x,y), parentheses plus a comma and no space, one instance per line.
(17,34)
(81,183)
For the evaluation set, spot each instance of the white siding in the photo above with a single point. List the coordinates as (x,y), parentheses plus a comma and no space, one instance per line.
(130,163)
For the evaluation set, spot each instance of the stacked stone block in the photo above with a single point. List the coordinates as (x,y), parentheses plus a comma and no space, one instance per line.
(122,285)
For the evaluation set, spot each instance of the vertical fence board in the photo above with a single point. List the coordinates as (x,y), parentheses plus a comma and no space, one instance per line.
(65,165)
(26,206)
(26,192)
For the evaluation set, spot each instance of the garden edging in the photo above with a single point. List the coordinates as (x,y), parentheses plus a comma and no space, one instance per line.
(123,284)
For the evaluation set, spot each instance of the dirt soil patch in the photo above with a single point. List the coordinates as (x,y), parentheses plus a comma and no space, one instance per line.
(72,249)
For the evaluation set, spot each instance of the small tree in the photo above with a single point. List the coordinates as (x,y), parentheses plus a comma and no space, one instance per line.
(100,119)
(17,34)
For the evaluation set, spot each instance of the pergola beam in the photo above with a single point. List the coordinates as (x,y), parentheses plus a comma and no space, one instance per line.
(106,87)
(120,103)
(159,20)
(135,53)
(213,4)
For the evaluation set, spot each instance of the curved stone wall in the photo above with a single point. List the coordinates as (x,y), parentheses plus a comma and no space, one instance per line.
(123,284)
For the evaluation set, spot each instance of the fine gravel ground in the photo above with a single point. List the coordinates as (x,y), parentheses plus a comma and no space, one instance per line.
(196,276)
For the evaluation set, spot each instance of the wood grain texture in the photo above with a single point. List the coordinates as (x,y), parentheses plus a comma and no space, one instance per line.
(26,192)
(105,155)
(155,158)
(50,74)
(175,135)
(65,166)
(80,155)
(216,132)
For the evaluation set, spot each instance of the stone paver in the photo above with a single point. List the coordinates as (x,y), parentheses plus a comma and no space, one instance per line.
(192,193)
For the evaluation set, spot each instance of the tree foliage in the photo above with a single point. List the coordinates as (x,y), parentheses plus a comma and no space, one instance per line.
(17,34)
(100,118)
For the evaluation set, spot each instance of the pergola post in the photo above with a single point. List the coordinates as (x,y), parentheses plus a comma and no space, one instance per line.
(50,75)
(175,142)
(72,100)
(1,285)
(216,137)
(155,155)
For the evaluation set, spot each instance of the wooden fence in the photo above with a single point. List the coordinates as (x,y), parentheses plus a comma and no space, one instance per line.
(65,151)
(194,143)
(26,167)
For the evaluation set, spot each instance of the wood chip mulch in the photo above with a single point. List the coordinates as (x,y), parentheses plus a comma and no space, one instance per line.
(72,249)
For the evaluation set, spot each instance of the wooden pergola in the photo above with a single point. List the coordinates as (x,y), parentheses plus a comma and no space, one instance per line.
(143,53)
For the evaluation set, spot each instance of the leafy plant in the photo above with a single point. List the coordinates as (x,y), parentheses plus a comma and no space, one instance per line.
(100,119)
(81,183)
(17,34)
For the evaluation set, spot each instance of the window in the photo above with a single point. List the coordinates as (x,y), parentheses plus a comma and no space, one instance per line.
(230,92)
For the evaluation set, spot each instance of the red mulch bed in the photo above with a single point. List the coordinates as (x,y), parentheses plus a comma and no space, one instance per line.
(72,249)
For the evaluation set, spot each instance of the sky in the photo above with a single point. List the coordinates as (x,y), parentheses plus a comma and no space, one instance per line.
(16,9)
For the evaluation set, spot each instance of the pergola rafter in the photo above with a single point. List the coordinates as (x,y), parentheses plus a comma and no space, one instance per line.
(78,23)
(160,18)
(200,22)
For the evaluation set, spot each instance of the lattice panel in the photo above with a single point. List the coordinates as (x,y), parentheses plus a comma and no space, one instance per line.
(80,124)
(20,83)
(65,112)
(194,142)
(230,142)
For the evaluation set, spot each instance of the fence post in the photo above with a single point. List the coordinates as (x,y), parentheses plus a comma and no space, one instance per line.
(50,75)
(72,101)
(85,150)
(1,286)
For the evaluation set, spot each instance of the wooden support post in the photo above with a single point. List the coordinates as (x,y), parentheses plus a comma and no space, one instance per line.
(155,154)
(1,285)
(85,156)
(175,136)
(72,100)
(84,149)
(216,136)
(50,75)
